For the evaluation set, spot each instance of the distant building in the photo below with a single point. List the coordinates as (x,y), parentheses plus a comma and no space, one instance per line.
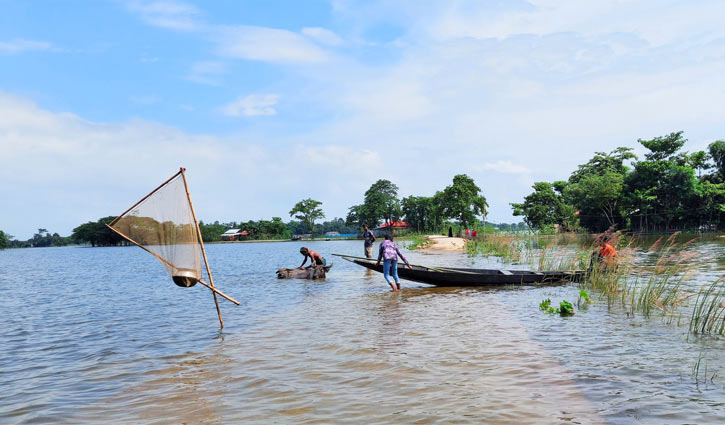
(234,235)
(390,226)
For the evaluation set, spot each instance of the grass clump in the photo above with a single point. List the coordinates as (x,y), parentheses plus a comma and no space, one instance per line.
(418,241)
(505,246)
(708,313)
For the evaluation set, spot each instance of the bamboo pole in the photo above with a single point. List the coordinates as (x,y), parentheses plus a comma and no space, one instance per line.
(437,269)
(143,199)
(201,242)
(165,261)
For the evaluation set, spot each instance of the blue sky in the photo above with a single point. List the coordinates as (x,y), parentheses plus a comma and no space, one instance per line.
(267,103)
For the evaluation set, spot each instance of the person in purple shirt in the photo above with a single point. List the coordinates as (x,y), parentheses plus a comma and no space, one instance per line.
(389,252)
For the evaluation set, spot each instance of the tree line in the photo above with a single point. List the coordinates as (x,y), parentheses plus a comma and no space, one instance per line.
(461,201)
(667,190)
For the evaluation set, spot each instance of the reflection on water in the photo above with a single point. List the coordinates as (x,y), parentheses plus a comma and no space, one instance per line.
(103,335)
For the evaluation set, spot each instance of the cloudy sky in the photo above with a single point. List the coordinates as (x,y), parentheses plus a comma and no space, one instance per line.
(269,102)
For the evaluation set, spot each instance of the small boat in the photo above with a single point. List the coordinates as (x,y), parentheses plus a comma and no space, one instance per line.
(454,276)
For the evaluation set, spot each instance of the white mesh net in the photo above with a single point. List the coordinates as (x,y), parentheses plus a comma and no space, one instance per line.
(164,224)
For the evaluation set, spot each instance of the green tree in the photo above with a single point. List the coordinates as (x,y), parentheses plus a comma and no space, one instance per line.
(712,200)
(212,232)
(698,161)
(546,207)
(338,225)
(598,196)
(4,240)
(307,211)
(274,229)
(420,212)
(663,148)
(96,233)
(716,151)
(462,200)
(603,163)
(667,181)
(380,204)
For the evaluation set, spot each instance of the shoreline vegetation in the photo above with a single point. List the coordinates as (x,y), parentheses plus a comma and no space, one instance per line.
(668,190)
(662,286)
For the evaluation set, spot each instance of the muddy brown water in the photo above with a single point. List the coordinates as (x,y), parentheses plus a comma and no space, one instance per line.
(102,335)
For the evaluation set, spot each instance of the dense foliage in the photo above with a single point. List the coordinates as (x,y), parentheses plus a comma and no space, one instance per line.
(380,205)
(307,210)
(461,201)
(96,233)
(667,190)
(4,240)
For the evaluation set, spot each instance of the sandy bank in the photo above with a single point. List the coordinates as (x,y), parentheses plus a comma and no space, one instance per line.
(444,243)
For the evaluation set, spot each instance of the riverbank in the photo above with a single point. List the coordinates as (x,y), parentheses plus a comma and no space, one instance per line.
(445,243)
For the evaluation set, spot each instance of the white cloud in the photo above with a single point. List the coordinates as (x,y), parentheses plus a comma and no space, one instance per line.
(507,167)
(322,35)
(267,44)
(206,72)
(251,105)
(513,94)
(167,14)
(19,45)
(241,41)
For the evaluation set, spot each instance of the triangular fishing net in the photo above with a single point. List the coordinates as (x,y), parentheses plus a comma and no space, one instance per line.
(163,223)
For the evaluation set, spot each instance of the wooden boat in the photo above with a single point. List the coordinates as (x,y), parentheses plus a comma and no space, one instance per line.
(454,276)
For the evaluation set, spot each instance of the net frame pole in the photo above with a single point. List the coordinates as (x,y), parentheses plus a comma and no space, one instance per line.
(164,260)
(201,243)
(143,199)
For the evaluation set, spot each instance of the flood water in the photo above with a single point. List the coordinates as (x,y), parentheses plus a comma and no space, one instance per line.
(102,335)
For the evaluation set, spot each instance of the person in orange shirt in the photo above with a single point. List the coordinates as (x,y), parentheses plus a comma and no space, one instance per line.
(607,253)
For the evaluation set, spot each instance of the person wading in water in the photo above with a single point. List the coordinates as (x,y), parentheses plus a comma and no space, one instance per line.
(369,239)
(605,257)
(389,252)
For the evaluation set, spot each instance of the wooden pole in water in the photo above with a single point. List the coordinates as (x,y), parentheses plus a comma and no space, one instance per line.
(201,242)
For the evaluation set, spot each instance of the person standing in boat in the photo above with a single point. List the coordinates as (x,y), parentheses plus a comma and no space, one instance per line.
(369,239)
(315,258)
(389,252)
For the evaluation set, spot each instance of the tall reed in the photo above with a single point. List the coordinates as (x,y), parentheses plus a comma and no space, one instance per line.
(708,313)
(508,247)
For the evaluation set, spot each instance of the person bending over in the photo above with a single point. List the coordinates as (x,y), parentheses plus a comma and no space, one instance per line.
(607,253)
(315,258)
(389,252)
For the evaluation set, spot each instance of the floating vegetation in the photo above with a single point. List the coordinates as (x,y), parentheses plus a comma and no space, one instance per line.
(546,306)
(565,308)
(583,300)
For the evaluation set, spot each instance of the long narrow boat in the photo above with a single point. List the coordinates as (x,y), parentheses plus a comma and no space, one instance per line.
(454,276)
